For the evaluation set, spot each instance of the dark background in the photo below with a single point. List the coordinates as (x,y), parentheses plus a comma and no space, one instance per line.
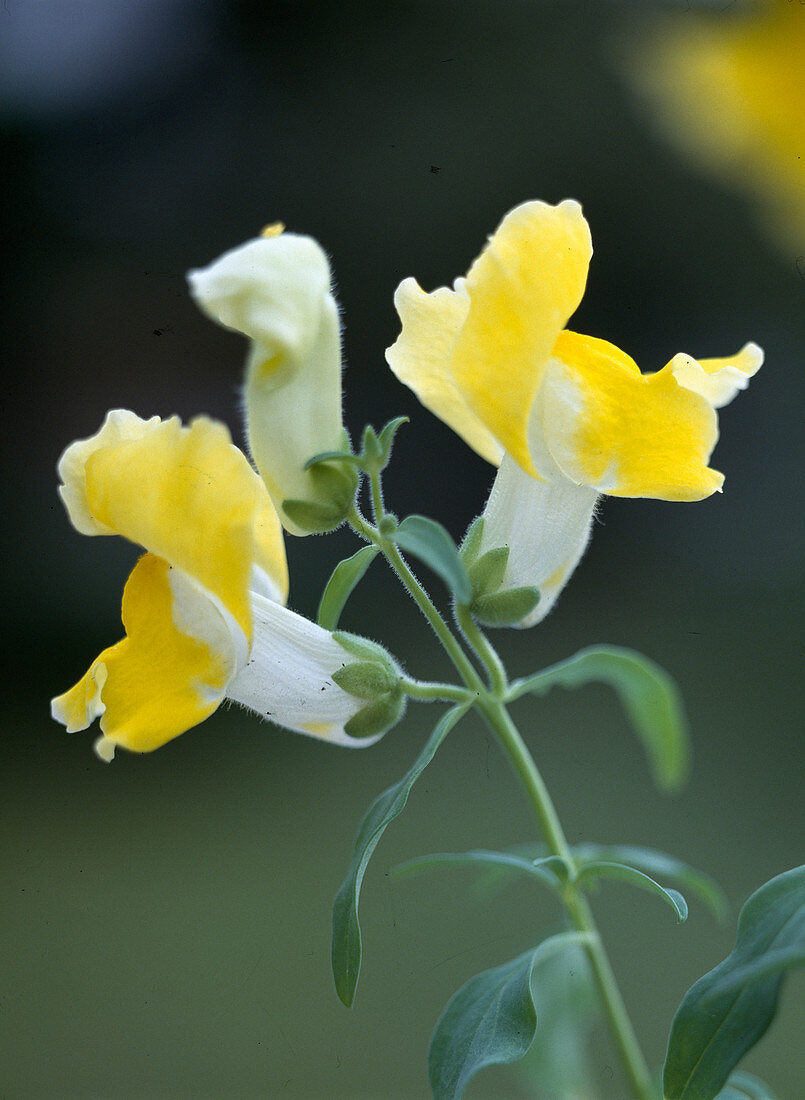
(167,917)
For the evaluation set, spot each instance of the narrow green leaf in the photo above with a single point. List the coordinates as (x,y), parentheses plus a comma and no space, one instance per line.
(432,544)
(647,693)
(491,1020)
(505,608)
(659,865)
(346,575)
(479,856)
(743,1086)
(346,945)
(635,878)
(719,1019)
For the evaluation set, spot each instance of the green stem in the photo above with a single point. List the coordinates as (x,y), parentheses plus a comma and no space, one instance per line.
(577,906)
(429,692)
(489,701)
(486,651)
(463,665)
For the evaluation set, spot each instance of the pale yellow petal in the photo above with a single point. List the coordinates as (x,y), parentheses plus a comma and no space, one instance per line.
(119,426)
(522,288)
(191,497)
(157,682)
(421,359)
(717,380)
(622,432)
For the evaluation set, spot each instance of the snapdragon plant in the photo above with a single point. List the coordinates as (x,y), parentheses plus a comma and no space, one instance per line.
(566,419)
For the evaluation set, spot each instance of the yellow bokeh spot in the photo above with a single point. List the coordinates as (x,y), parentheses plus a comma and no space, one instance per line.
(275,229)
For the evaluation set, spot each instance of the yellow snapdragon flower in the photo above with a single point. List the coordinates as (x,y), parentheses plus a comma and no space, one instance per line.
(276,290)
(727,88)
(566,417)
(203,609)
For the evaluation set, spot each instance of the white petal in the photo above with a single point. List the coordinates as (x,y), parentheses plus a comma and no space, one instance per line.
(288,677)
(545,524)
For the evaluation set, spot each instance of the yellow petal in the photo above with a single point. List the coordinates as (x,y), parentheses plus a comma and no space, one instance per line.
(522,288)
(421,358)
(718,380)
(155,683)
(622,432)
(189,496)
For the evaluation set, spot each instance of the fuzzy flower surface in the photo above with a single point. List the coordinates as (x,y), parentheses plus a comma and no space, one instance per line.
(565,416)
(203,609)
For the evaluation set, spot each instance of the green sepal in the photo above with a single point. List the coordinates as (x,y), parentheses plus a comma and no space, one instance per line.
(505,608)
(724,1013)
(332,456)
(346,944)
(366,679)
(312,517)
(362,647)
(491,1020)
(379,716)
(622,871)
(388,434)
(471,543)
(647,693)
(432,544)
(335,482)
(376,447)
(486,573)
(341,585)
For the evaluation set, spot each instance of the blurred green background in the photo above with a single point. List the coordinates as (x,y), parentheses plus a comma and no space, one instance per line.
(166,918)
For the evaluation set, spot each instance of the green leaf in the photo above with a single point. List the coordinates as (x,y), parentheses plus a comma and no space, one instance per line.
(432,544)
(480,856)
(657,864)
(346,945)
(724,1013)
(743,1086)
(505,608)
(635,878)
(346,575)
(491,1020)
(649,697)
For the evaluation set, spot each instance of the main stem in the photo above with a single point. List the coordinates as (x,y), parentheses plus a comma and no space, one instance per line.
(499,720)
(490,703)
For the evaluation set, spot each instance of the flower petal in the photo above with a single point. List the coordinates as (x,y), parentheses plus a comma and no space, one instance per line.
(161,679)
(622,432)
(546,526)
(186,494)
(717,380)
(421,358)
(288,677)
(523,288)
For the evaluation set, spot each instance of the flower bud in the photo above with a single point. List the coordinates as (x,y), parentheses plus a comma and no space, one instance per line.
(276,290)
